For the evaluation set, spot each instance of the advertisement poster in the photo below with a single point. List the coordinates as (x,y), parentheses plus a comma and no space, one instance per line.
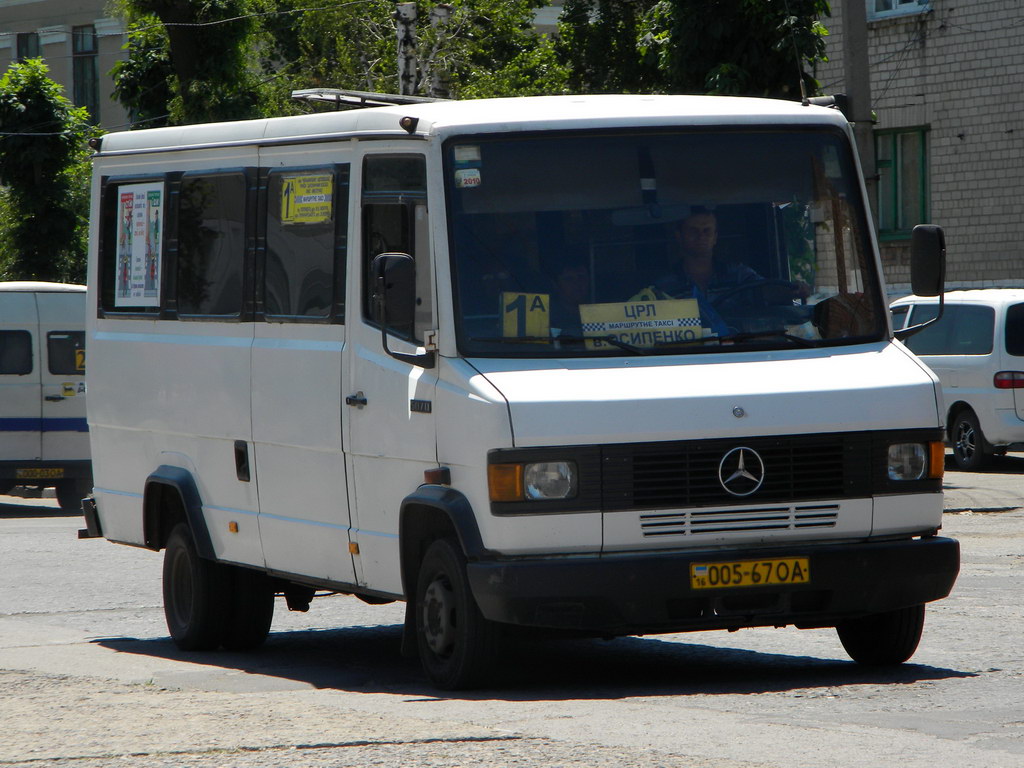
(139,243)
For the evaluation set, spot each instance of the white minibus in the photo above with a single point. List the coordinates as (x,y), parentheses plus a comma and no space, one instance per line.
(44,440)
(609,365)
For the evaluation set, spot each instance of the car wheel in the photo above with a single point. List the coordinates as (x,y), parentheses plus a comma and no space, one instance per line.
(196,594)
(970,449)
(456,643)
(883,639)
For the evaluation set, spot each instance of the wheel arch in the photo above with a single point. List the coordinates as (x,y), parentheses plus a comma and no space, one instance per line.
(431,512)
(170,497)
(954,410)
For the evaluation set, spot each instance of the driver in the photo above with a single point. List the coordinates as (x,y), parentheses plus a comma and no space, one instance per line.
(698,275)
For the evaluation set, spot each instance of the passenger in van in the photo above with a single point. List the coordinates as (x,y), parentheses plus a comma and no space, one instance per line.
(572,288)
(699,275)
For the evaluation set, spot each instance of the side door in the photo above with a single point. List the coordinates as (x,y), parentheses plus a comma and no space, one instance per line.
(389,401)
(20,401)
(65,434)
(298,349)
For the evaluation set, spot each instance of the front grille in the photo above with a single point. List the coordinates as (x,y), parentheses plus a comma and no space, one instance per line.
(686,474)
(739,520)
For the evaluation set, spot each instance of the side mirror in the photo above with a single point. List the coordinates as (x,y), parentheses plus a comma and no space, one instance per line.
(927,260)
(394,303)
(927,271)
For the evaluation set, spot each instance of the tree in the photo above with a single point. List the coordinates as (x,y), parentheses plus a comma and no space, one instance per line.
(44,170)
(735,47)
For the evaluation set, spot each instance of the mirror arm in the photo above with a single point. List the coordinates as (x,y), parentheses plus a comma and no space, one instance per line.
(906,333)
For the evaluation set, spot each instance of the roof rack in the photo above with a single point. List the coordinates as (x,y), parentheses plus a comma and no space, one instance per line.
(343,98)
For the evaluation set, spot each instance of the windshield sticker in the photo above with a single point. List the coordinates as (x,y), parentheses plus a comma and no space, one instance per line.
(468,178)
(139,243)
(467,154)
(525,315)
(307,199)
(642,323)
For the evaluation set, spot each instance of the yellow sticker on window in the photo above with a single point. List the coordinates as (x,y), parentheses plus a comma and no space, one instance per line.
(79,359)
(307,199)
(525,314)
(642,323)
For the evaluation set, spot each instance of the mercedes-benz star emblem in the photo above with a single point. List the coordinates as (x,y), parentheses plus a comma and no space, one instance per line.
(741,471)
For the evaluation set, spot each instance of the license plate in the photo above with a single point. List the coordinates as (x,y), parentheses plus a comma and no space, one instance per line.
(41,473)
(750,573)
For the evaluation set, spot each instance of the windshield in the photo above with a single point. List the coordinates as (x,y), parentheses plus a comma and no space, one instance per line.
(658,243)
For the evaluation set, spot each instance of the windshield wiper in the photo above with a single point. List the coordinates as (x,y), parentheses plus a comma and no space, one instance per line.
(564,337)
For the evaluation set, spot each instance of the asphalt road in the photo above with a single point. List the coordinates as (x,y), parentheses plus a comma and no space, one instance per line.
(88,677)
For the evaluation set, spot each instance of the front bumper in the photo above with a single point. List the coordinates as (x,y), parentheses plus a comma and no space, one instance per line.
(620,594)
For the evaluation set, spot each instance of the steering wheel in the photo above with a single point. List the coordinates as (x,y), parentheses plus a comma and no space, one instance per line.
(752,285)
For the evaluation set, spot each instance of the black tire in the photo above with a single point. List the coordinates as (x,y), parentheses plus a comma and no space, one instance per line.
(883,639)
(196,593)
(456,643)
(250,609)
(70,494)
(971,450)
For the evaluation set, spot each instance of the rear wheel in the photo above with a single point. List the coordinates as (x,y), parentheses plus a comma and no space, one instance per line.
(196,594)
(456,643)
(71,492)
(971,451)
(883,639)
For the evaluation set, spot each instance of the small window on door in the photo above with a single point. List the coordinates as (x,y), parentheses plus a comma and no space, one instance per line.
(15,353)
(65,351)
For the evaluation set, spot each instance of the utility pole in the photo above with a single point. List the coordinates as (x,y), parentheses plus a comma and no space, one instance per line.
(405,15)
(857,72)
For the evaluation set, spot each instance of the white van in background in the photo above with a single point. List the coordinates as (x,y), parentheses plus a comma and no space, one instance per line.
(44,438)
(424,353)
(976,348)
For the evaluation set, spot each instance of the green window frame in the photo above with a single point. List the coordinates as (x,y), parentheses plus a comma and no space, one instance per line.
(902,159)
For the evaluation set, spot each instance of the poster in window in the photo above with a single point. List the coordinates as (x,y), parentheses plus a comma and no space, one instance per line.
(307,198)
(139,242)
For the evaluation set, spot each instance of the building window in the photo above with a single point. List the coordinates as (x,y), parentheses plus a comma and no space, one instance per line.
(28,46)
(883,9)
(902,181)
(86,70)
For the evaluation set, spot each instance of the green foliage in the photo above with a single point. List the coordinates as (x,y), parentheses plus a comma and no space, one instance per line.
(44,169)
(142,81)
(735,47)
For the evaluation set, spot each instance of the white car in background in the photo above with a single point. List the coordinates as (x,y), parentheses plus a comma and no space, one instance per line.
(976,348)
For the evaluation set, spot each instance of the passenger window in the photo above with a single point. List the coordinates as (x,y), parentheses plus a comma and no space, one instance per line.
(15,353)
(211,244)
(65,352)
(1015,330)
(899,316)
(962,330)
(395,221)
(305,243)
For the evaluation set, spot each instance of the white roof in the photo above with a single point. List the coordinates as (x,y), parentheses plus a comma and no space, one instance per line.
(447,118)
(40,287)
(991,296)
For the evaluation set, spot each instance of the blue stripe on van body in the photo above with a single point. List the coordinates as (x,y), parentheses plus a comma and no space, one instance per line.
(44,425)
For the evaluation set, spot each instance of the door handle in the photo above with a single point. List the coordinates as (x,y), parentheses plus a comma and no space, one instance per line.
(357,400)
(54,398)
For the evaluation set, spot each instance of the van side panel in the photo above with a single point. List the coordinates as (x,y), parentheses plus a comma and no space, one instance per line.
(20,402)
(65,431)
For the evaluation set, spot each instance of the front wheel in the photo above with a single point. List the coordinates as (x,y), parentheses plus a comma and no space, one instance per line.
(196,594)
(456,643)
(970,449)
(883,639)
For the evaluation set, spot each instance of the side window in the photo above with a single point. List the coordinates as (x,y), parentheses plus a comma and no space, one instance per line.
(211,244)
(962,330)
(65,352)
(1015,330)
(15,353)
(395,221)
(306,223)
(899,316)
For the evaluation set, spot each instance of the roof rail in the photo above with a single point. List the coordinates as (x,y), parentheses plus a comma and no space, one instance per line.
(343,98)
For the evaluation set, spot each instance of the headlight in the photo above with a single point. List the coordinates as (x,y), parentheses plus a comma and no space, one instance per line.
(534,481)
(908,461)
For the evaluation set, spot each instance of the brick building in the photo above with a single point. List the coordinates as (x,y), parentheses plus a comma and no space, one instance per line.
(79,43)
(946,79)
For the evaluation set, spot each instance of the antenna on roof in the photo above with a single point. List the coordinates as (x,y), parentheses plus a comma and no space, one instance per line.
(357,99)
(796,55)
